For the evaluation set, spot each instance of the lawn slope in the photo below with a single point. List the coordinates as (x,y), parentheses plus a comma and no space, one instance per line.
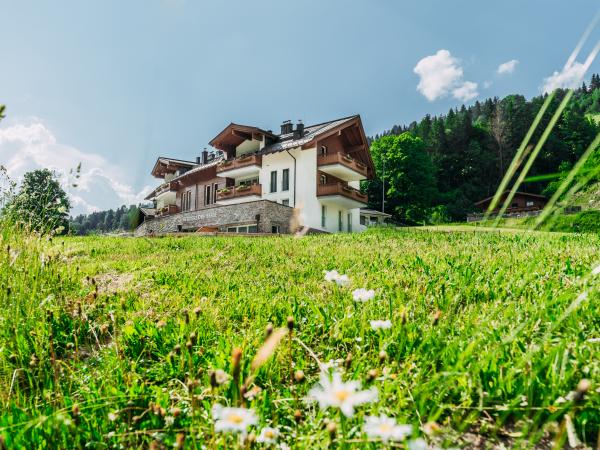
(108,342)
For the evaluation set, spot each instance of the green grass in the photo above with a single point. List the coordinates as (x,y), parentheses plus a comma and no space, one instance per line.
(91,335)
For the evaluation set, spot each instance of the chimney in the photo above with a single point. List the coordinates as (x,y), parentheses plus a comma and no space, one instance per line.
(299,131)
(204,156)
(198,160)
(287,127)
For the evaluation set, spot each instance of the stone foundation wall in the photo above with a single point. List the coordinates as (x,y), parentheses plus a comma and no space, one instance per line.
(222,216)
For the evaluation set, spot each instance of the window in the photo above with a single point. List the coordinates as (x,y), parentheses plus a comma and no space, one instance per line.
(207,195)
(242,229)
(285,201)
(363,220)
(215,187)
(186,201)
(274,181)
(323,150)
(231,229)
(275,229)
(252,229)
(323,216)
(514,205)
(323,179)
(529,203)
(285,180)
(349,223)
(340,222)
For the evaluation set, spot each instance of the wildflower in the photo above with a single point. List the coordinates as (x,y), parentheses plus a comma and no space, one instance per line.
(219,377)
(112,416)
(381,324)
(169,421)
(252,393)
(268,435)
(339,279)
(386,428)
(363,295)
(236,420)
(345,396)
(417,444)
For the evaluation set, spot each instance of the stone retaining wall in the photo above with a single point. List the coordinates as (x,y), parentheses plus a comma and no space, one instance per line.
(263,213)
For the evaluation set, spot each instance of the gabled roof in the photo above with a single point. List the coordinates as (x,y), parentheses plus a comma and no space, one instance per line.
(287,141)
(234,134)
(194,170)
(162,163)
(506,192)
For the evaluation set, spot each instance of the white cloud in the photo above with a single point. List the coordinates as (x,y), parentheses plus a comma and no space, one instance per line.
(571,75)
(466,91)
(487,84)
(508,67)
(30,145)
(441,75)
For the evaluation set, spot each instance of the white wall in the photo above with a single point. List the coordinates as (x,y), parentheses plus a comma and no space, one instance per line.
(247,147)
(306,189)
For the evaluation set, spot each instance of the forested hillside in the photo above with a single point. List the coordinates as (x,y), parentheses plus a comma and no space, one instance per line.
(121,219)
(470,148)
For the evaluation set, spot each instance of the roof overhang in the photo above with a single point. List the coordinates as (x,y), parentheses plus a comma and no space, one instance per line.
(164,166)
(505,193)
(234,134)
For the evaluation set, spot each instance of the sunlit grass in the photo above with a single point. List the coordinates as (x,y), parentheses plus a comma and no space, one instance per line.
(114,341)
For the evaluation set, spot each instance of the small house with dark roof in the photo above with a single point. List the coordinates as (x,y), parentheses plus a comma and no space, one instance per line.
(254,178)
(521,202)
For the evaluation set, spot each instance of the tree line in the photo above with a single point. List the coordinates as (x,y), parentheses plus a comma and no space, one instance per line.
(436,169)
(121,219)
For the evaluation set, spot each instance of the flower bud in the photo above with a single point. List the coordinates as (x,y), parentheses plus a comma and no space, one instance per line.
(268,330)
(332,430)
(298,416)
(299,376)
(348,361)
(290,323)
(372,374)
(382,356)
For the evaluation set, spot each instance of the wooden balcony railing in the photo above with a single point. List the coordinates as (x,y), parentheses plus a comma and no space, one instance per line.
(239,191)
(169,186)
(344,160)
(341,189)
(238,163)
(167,210)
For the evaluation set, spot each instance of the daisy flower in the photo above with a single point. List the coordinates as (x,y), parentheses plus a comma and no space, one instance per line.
(381,324)
(339,279)
(235,420)
(268,435)
(386,428)
(363,295)
(333,392)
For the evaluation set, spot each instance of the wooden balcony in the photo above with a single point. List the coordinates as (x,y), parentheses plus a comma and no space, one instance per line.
(167,210)
(239,167)
(341,193)
(236,192)
(342,166)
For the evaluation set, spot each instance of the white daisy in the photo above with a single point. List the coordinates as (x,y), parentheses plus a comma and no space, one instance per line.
(268,435)
(333,392)
(417,444)
(331,275)
(236,420)
(363,295)
(339,279)
(386,428)
(381,324)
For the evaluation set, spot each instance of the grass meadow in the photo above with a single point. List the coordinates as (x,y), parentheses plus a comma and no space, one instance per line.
(493,339)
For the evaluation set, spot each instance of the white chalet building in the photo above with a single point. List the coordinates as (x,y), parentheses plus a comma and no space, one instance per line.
(256,181)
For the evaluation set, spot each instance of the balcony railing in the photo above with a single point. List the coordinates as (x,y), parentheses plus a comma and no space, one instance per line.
(167,210)
(341,189)
(239,191)
(238,163)
(169,186)
(344,160)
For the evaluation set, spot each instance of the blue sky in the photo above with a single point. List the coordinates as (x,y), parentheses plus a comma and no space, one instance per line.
(114,84)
